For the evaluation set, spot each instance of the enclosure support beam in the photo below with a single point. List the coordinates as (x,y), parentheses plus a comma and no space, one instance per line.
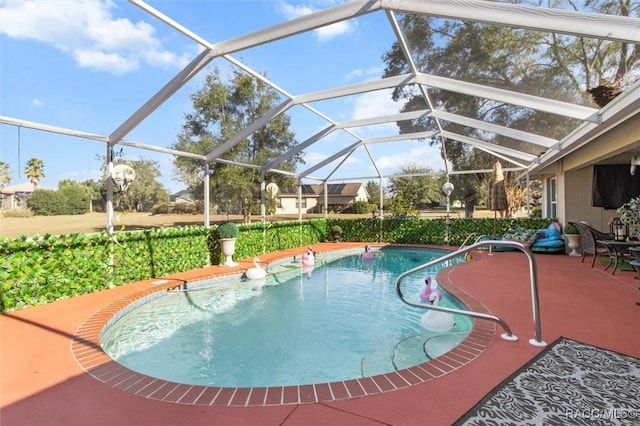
(206,195)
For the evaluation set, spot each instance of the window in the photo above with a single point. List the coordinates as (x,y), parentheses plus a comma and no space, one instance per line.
(553,198)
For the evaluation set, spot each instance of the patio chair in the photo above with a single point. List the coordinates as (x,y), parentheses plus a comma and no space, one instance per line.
(589,241)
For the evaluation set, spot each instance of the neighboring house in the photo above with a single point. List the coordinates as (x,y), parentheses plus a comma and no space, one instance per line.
(313,196)
(183,196)
(15,197)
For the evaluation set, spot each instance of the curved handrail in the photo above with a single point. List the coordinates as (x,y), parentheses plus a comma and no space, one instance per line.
(473,234)
(535,302)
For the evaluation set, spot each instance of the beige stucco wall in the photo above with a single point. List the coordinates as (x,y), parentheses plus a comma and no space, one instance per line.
(577,200)
(575,173)
(289,205)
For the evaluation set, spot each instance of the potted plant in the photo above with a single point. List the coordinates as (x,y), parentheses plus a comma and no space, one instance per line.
(227,233)
(630,215)
(573,239)
(336,233)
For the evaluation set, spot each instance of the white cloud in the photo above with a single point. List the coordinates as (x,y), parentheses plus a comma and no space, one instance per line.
(82,175)
(291,11)
(112,62)
(313,158)
(420,154)
(89,32)
(368,74)
(37,102)
(334,30)
(355,74)
(399,154)
(372,104)
(329,32)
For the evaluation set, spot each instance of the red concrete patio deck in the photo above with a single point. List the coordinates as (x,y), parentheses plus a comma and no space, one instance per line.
(42,383)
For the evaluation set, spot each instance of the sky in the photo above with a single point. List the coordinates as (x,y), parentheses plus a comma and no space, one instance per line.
(88,65)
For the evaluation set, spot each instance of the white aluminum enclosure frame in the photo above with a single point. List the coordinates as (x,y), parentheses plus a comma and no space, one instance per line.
(593,121)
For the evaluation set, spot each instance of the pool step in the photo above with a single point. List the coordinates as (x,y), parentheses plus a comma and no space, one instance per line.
(396,353)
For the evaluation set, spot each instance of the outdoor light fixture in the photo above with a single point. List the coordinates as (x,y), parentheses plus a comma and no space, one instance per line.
(447,188)
(618,229)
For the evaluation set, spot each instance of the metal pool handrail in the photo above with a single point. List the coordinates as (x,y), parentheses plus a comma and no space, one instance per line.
(471,235)
(533,275)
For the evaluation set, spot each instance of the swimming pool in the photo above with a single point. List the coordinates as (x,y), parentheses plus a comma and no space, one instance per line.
(340,321)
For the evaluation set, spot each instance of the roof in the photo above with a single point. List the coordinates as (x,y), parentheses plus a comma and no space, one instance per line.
(183,194)
(333,189)
(349,138)
(21,187)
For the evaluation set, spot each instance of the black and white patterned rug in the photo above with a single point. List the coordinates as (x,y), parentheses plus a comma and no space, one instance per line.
(569,383)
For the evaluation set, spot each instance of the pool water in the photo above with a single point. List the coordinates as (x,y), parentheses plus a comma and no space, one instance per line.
(341,320)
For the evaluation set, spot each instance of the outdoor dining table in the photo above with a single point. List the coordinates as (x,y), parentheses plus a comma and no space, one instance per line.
(618,250)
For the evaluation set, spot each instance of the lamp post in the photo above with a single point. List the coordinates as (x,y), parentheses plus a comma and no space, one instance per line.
(447,188)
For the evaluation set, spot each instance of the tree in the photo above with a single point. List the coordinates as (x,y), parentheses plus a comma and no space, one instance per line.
(78,195)
(419,190)
(34,171)
(143,193)
(373,189)
(5,174)
(400,206)
(220,111)
(550,65)
(95,191)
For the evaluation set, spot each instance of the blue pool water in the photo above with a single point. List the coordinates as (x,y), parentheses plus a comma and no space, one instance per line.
(340,321)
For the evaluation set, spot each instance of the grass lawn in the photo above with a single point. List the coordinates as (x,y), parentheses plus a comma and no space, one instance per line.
(92,222)
(95,222)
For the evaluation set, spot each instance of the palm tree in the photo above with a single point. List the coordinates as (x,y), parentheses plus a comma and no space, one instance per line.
(34,171)
(5,174)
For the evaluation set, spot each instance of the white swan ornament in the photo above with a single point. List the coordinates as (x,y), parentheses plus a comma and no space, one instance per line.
(436,320)
(256,273)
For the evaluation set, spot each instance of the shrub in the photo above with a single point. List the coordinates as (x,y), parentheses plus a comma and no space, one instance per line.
(184,208)
(630,215)
(227,230)
(17,213)
(178,208)
(75,199)
(44,202)
(162,208)
(358,207)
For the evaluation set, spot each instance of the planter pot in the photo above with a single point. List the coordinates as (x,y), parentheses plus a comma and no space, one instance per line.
(228,246)
(573,242)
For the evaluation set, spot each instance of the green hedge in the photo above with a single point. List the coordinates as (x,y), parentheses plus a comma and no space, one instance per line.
(427,231)
(42,269)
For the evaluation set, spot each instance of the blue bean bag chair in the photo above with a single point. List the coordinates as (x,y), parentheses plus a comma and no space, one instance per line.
(547,240)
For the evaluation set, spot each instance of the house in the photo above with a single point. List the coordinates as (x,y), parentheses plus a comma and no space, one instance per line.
(313,197)
(15,197)
(573,182)
(183,196)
